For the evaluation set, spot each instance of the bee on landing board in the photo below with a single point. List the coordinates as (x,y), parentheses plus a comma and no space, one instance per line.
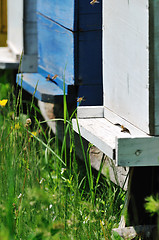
(124,129)
(52,79)
(93,2)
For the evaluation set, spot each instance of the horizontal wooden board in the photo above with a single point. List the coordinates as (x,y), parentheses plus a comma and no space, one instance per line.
(7,59)
(38,86)
(127,149)
(137,151)
(91,133)
(90,112)
(101,133)
(72,14)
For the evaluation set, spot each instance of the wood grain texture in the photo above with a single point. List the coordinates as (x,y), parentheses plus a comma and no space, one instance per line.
(90,112)
(15,27)
(126,60)
(72,14)
(103,134)
(154,65)
(7,59)
(37,85)
(56,49)
(137,151)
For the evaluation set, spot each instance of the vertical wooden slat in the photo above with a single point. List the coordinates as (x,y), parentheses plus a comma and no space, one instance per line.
(3,22)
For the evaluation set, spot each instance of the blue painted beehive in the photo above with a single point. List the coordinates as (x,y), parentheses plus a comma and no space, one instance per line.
(70,48)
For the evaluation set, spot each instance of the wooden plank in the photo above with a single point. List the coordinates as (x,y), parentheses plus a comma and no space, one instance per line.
(15,27)
(117,120)
(60,13)
(56,49)
(128,149)
(90,59)
(126,60)
(73,14)
(137,151)
(90,112)
(45,90)
(7,60)
(94,134)
(154,65)
(101,133)
(3,23)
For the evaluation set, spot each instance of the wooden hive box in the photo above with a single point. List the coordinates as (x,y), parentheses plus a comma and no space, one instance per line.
(70,46)
(127,126)
(21,36)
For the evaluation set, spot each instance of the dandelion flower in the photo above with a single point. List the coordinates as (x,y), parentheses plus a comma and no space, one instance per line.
(3,102)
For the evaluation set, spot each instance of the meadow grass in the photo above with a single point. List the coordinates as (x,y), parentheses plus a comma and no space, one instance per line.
(45,191)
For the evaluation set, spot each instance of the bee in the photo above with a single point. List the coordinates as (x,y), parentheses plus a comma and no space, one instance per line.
(93,2)
(124,129)
(48,78)
(80,99)
(54,77)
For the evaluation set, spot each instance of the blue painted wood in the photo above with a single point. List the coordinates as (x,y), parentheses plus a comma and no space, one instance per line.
(75,56)
(56,49)
(79,60)
(59,11)
(92,95)
(74,15)
(90,58)
(45,90)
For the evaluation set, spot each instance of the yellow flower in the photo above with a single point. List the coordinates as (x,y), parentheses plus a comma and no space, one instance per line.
(16,126)
(3,102)
(34,133)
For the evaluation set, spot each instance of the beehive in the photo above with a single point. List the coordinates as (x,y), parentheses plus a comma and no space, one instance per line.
(130,112)
(70,46)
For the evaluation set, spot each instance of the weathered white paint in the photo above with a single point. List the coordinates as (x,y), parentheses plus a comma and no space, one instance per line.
(115,119)
(7,59)
(137,151)
(90,112)
(126,60)
(104,134)
(15,26)
(155,60)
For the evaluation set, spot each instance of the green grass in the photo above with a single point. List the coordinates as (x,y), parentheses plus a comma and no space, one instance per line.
(45,192)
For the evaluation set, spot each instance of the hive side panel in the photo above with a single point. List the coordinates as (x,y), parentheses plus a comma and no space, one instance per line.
(154,64)
(61,12)
(15,25)
(56,49)
(90,16)
(90,58)
(126,60)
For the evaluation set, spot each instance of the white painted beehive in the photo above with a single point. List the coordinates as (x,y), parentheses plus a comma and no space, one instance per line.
(126,128)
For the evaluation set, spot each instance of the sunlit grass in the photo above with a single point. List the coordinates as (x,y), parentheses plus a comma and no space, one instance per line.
(44,192)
